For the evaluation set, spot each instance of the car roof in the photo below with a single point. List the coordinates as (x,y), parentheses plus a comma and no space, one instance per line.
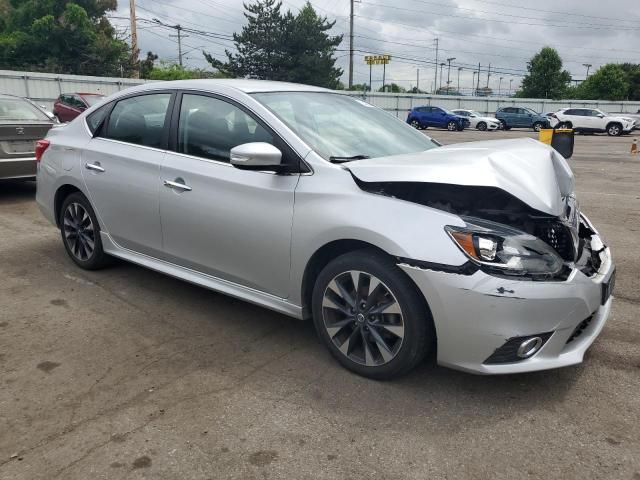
(243,85)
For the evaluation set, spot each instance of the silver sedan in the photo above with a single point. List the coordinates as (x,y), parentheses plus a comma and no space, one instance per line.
(320,206)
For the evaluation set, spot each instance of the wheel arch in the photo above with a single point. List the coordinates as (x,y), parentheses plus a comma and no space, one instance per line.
(61,193)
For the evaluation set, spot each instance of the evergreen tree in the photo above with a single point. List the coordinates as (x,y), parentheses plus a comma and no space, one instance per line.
(286,47)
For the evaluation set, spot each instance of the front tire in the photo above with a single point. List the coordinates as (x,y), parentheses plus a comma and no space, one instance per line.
(415,124)
(370,316)
(537,126)
(81,233)
(452,126)
(482,126)
(614,130)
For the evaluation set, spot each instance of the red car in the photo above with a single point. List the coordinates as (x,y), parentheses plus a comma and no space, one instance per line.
(69,105)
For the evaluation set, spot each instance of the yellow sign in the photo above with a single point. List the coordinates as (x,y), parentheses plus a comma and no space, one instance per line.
(377,59)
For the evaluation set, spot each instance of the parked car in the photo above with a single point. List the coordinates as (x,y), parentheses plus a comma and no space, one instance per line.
(21,124)
(427,116)
(633,116)
(591,120)
(521,117)
(272,193)
(478,121)
(69,105)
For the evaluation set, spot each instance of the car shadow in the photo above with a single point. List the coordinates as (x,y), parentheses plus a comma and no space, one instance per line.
(14,191)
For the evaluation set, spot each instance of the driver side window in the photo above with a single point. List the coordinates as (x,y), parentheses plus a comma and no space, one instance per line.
(209,128)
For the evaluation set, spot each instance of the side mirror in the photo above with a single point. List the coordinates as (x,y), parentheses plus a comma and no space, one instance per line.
(600,115)
(256,156)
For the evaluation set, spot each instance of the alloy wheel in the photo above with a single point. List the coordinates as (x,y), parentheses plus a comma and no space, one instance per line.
(614,130)
(415,124)
(452,127)
(78,231)
(363,318)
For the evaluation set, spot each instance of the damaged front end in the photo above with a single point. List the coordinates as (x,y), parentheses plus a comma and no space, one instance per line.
(503,235)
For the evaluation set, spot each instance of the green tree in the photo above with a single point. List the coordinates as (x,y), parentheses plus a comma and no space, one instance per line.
(609,82)
(392,87)
(147,65)
(359,87)
(546,78)
(632,71)
(173,71)
(62,36)
(286,47)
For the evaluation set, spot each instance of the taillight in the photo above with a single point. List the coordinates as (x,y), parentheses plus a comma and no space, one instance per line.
(41,146)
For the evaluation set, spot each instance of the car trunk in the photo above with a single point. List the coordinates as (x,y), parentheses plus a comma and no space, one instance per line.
(17,139)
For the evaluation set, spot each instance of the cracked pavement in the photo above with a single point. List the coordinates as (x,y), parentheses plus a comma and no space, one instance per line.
(127,373)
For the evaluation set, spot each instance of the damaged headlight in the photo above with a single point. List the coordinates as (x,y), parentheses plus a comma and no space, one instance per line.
(506,249)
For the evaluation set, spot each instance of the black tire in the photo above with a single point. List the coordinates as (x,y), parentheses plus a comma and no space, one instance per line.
(418,334)
(504,125)
(415,124)
(97,258)
(562,125)
(482,126)
(452,126)
(614,129)
(537,126)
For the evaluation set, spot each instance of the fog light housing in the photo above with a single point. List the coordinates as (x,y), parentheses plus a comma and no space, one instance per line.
(517,349)
(529,347)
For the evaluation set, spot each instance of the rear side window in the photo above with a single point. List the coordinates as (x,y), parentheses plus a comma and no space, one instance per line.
(95,119)
(139,120)
(210,128)
(573,111)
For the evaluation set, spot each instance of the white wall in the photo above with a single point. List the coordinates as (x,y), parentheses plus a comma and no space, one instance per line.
(44,88)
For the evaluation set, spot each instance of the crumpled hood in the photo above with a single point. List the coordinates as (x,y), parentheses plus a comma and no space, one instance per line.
(527,169)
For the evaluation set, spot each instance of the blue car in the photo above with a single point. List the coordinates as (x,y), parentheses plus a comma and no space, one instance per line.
(423,117)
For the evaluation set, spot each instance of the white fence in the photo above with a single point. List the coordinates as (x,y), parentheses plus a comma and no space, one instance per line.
(44,88)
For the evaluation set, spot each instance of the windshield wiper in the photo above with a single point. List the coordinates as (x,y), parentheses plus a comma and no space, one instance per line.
(347,159)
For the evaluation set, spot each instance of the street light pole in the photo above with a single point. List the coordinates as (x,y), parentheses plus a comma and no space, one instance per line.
(417,80)
(459,70)
(351,47)
(441,69)
(588,65)
(500,85)
(473,83)
(510,82)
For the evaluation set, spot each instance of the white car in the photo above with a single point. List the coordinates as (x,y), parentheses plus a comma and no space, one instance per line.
(478,121)
(591,120)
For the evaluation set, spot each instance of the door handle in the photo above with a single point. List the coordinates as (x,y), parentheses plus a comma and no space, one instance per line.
(177,185)
(94,166)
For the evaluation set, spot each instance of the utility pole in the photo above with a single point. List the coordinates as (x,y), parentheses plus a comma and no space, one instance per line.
(351,46)
(417,80)
(488,75)
(179,36)
(478,79)
(588,65)
(473,82)
(449,60)
(510,82)
(500,85)
(435,75)
(459,70)
(442,64)
(134,40)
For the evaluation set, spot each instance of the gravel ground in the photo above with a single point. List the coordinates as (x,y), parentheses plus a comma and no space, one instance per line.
(126,373)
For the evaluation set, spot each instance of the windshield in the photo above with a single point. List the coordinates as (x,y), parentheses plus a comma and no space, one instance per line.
(533,112)
(339,126)
(19,109)
(92,99)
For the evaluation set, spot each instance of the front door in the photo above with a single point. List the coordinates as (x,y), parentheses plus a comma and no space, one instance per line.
(121,168)
(216,219)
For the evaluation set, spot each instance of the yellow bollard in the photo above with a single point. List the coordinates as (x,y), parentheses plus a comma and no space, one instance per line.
(545,135)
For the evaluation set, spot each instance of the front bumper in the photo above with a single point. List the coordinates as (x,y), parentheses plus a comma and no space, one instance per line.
(493,126)
(24,167)
(476,314)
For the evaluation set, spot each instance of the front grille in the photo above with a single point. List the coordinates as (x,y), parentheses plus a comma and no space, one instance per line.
(508,353)
(558,237)
(582,326)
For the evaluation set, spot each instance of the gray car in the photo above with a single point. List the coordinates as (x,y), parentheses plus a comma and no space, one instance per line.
(21,124)
(320,206)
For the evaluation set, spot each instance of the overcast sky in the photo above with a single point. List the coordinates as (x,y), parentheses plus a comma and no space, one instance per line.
(505,33)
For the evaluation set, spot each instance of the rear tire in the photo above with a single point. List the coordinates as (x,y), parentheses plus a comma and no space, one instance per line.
(504,125)
(80,233)
(382,344)
(482,126)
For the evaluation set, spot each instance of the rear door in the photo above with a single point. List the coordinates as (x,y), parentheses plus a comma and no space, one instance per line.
(230,223)
(121,168)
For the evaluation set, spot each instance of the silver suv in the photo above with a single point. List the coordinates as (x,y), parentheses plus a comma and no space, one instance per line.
(318,205)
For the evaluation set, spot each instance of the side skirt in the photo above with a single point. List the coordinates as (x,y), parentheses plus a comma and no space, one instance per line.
(197,278)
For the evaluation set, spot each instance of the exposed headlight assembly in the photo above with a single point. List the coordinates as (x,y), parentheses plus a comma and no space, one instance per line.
(505,250)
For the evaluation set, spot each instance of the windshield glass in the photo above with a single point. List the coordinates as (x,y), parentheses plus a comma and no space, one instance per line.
(533,112)
(92,99)
(19,109)
(339,126)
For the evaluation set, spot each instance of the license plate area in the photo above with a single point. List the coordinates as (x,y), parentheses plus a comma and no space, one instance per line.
(607,287)
(19,146)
